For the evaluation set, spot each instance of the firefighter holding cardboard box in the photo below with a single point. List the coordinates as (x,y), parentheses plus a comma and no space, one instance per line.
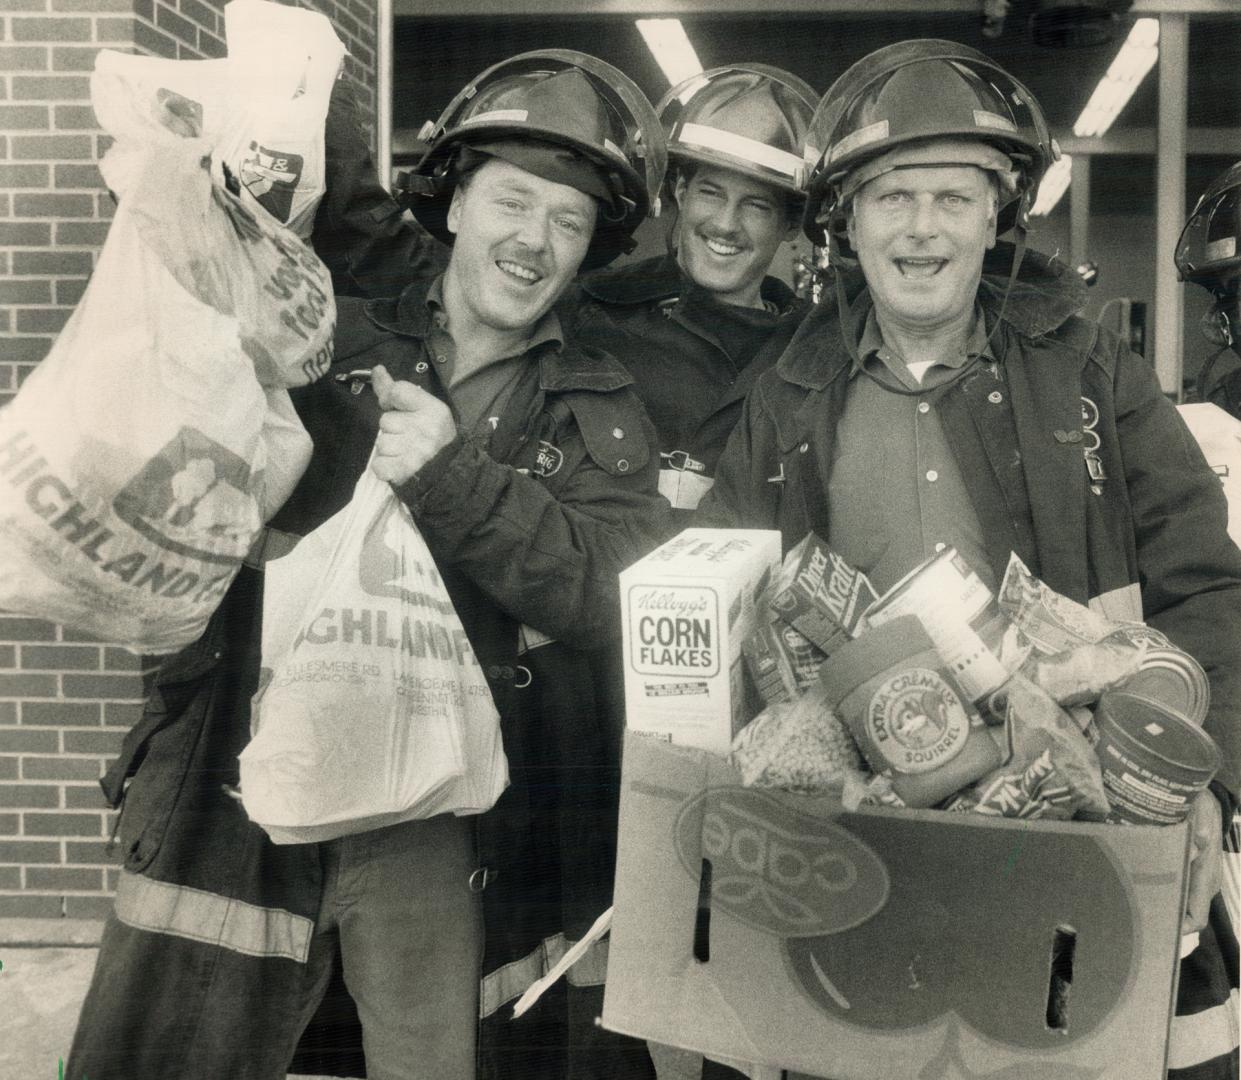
(953,397)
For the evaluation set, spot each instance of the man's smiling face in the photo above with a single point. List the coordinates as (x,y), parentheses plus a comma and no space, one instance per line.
(519,240)
(729,230)
(920,234)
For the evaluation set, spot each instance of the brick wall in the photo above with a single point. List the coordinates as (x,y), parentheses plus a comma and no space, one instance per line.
(66,701)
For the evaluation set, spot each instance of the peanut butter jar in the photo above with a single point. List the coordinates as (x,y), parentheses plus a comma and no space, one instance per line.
(910,717)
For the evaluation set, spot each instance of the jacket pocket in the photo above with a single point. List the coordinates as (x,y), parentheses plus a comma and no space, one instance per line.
(147,778)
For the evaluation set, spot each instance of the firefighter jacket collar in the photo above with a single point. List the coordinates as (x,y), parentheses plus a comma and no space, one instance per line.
(643,283)
(1045,295)
(562,367)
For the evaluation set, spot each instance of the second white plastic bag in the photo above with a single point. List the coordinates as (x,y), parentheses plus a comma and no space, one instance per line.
(372,708)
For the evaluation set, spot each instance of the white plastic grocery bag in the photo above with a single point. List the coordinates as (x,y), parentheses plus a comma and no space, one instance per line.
(261,110)
(372,708)
(1219,435)
(134,460)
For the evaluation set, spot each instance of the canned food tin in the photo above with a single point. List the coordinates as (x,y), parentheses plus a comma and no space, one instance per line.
(1173,679)
(962,618)
(1154,761)
(907,712)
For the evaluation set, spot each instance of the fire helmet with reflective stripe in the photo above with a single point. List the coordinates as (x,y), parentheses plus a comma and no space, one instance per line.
(917,93)
(750,118)
(562,100)
(1209,250)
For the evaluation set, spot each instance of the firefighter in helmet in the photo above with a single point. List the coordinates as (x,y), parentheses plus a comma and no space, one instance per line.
(954,397)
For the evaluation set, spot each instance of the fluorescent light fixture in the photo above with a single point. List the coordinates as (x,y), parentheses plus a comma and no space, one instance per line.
(1136,57)
(1053,185)
(669,44)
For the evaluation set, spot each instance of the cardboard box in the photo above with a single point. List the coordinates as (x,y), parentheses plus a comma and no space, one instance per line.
(686,608)
(888,944)
(821,594)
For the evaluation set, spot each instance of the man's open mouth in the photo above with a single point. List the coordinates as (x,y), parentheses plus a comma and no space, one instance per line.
(920,267)
(722,247)
(522,273)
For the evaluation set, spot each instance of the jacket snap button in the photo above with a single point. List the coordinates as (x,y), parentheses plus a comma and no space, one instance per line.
(618,433)
(421,366)
(622,465)
(803,448)
(506,672)
(480,879)
(995,397)
(493,671)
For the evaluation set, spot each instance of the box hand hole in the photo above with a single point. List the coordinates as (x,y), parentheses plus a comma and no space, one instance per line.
(1063,943)
(702,916)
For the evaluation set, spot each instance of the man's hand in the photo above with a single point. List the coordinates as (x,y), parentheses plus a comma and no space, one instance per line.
(415,426)
(1206,861)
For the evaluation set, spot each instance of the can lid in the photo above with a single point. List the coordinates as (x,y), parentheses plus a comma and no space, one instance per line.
(879,649)
(1162,733)
(1174,679)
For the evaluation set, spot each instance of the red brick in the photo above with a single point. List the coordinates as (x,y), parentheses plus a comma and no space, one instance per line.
(42,320)
(60,657)
(211,46)
(88,907)
(27,686)
(121,660)
(84,797)
(49,29)
(28,348)
(111,879)
(201,14)
(10,824)
(93,852)
(6,380)
(29,740)
(70,291)
(150,40)
(81,233)
(99,741)
(29,796)
(23,176)
(60,768)
(10,877)
(122,714)
(23,58)
(111,687)
(105,205)
(52,148)
(17,628)
(8,655)
(55,263)
(29,851)
(5,204)
(24,234)
(73,878)
(172,23)
(53,204)
(60,712)
(51,88)
(8,768)
(62,824)
(75,118)
(91,6)
(31,907)
(24,117)
(115,31)
(24,290)
(23,5)
(78,176)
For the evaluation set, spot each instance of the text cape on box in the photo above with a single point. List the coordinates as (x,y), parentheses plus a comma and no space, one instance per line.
(888,944)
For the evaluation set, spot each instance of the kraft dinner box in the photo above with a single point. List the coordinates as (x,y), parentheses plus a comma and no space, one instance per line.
(686,608)
(887,944)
